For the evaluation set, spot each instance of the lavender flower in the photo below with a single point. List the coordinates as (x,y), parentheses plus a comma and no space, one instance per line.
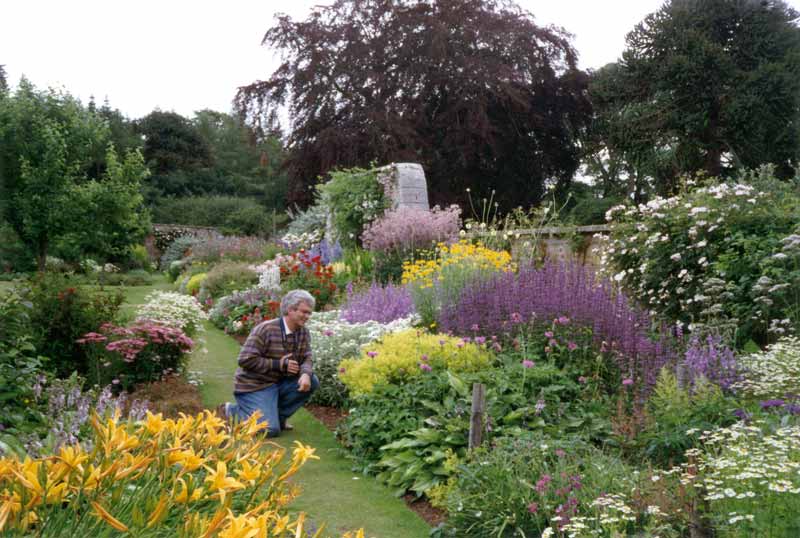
(711,358)
(569,294)
(383,304)
(327,252)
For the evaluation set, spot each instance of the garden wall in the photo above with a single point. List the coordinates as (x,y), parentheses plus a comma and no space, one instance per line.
(562,243)
(163,234)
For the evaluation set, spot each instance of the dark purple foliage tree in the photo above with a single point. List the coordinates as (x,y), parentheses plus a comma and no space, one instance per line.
(472,89)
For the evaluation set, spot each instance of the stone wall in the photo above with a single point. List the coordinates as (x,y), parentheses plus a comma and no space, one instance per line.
(562,243)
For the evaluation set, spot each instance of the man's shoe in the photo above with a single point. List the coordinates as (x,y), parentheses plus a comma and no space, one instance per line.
(286,427)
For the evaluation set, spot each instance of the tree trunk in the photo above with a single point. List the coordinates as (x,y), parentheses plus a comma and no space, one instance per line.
(713,160)
(41,255)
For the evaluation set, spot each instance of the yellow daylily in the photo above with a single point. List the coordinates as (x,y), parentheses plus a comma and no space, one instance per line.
(249,473)
(154,424)
(10,505)
(187,459)
(159,511)
(182,496)
(238,527)
(221,482)
(103,514)
(215,522)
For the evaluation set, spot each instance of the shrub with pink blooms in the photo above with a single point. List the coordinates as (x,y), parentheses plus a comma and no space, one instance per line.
(406,229)
(401,233)
(142,352)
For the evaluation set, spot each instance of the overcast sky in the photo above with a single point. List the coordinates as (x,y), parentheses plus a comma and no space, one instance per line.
(188,55)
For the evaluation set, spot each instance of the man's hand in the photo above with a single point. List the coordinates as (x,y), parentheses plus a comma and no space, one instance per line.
(292,367)
(304,383)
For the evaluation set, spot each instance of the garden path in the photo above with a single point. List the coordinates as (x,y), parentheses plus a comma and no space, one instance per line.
(332,493)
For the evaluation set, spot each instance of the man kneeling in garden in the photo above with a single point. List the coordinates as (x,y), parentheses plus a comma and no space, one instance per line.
(275,373)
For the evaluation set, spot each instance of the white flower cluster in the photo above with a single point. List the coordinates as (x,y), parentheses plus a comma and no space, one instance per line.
(664,250)
(743,467)
(269,275)
(173,309)
(772,373)
(305,239)
(612,516)
(333,340)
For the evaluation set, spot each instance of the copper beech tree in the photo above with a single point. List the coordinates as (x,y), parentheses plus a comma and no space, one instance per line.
(472,89)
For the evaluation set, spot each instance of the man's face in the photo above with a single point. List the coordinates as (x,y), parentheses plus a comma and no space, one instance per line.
(299,315)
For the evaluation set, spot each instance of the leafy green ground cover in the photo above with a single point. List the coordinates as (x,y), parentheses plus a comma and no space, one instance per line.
(332,493)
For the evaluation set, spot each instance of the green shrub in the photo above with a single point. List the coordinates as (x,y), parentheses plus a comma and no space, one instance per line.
(356,198)
(20,365)
(137,277)
(177,250)
(174,270)
(61,314)
(139,258)
(311,220)
(193,286)
(227,277)
(359,263)
(14,254)
(388,266)
(710,256)
(406,432)
(679,416)
(229,214)
(522,482)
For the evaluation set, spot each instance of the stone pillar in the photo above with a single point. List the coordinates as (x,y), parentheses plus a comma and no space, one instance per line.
(405,185)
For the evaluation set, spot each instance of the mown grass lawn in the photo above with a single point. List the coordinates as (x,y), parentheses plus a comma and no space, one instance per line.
(331,492)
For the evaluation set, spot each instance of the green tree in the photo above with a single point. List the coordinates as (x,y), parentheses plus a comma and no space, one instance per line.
(108,216)
(48,145)
(711,85)
(246,163)
(3,81)
(176,154)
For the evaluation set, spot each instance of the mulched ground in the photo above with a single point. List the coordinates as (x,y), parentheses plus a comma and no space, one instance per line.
(331,417)
(170,397)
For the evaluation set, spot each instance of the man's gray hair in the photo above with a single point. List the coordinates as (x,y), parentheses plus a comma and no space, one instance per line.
(294,298)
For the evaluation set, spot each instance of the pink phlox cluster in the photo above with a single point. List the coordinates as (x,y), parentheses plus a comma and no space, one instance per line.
(91,338)
(407,228)
(129,342)
(128,348)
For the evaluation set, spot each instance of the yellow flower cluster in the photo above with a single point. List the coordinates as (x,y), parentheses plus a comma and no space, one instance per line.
(461,254)
(193,286)
(407,354)
(190,477)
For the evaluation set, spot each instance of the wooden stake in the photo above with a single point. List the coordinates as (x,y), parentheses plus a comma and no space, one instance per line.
(476,418)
